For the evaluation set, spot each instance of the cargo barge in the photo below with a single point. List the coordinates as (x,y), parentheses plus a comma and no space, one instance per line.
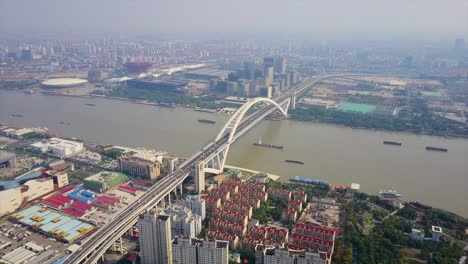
(207,121)
(260,144)
(294,161)
(394,143)
(309,181)
(437,149)
(389,194)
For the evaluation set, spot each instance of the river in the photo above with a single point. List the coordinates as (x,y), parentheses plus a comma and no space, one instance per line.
(337,154)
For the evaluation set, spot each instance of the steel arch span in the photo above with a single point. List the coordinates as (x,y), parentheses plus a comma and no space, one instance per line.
(233,122)
(215,162)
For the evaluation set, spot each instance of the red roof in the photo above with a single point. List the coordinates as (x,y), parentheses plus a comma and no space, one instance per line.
(127,188)
(83,204)
(300,237)
(51,203)
(321,229)
(67,189)
(73,212)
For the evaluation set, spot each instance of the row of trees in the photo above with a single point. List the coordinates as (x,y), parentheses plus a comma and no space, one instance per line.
(166,97)
(418,120)
(386,242)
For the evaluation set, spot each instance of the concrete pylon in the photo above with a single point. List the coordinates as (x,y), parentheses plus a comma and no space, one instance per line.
(199,177)
(293,101)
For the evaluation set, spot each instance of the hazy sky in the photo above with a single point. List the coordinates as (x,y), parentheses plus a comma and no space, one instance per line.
(329,17)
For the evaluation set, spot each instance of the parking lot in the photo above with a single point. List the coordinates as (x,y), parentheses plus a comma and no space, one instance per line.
(19,235)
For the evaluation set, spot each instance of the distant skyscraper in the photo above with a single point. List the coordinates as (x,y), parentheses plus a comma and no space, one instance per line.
(293,78)
(253,90)
(266,92)
(243,87)
(26,55)
(249,70)
(195,251)
(155,239)
(269,76)
(268,62)
(231,88)
(280,65)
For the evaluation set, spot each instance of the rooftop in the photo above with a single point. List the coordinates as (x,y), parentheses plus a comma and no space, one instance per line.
(63,82)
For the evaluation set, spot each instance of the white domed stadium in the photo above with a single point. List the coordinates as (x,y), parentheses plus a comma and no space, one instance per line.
(63,82)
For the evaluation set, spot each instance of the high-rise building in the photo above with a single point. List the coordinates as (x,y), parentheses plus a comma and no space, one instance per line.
(265,92)
(196,204)
(268,62)
(243,87)
(293,78)
(280,65)
(249,70)
(195,251)
(155,239)
(232,88)
(268,76)
(26,55)
(183,222)
(254,89)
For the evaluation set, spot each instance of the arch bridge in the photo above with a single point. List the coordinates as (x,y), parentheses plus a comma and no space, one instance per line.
(232,130)
(210,159)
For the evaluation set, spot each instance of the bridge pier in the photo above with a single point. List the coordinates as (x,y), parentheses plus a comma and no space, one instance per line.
(199,177)
(121,246)
(293,101)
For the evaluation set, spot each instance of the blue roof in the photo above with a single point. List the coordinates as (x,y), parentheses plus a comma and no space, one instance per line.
(51,225)
(73,233)
(65,223)
(5,185)
(76,195)
(61,260)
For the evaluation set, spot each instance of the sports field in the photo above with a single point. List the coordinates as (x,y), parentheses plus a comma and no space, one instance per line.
(358,108)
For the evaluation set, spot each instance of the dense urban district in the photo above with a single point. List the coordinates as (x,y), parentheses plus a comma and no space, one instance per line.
(57,192)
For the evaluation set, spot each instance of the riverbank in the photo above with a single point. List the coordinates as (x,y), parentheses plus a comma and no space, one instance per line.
(427,124)
(142,102)
(310,114)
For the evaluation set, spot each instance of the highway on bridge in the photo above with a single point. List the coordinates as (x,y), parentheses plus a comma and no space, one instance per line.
(95,246)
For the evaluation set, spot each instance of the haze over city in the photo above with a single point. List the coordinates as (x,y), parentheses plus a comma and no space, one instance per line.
(335,18)
(233,132)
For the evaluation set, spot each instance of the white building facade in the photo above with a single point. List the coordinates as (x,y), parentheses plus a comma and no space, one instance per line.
(195,251)
(155,239)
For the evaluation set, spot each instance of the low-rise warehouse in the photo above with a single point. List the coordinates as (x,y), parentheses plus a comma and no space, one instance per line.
(52,223)
(60,147)
(104,181)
